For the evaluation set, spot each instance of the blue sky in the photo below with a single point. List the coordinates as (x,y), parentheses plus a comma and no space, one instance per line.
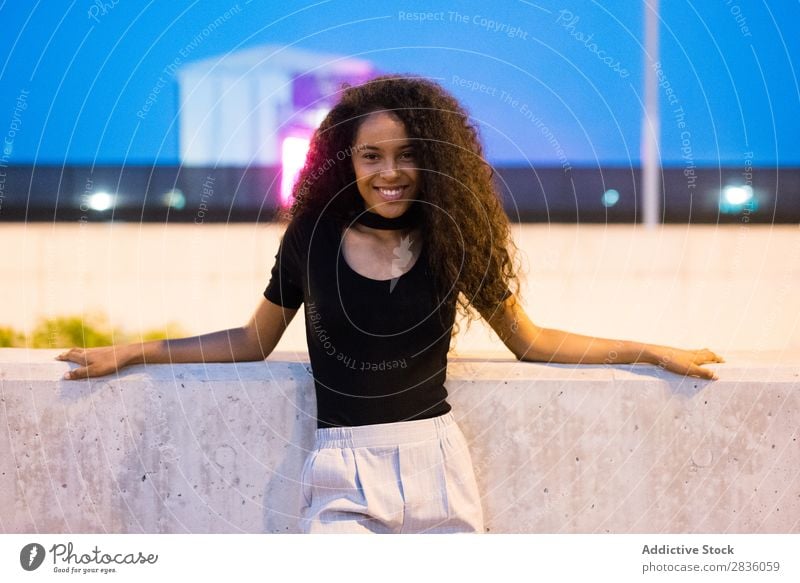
(545,80)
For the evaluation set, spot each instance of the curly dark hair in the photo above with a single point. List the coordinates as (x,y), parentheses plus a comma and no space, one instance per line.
(464,227)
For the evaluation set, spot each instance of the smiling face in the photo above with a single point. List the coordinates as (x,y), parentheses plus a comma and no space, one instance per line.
(385,165)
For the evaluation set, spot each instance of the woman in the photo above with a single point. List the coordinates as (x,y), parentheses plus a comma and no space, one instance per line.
(395,227)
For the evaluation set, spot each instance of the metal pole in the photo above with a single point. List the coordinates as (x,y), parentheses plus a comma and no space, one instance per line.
(651,125)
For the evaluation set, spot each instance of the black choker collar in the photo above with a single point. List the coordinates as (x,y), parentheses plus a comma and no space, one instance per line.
(407,220)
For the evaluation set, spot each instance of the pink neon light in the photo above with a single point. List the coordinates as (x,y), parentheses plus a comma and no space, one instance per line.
(293,156)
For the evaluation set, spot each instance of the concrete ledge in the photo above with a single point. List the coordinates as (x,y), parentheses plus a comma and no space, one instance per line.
(557,448)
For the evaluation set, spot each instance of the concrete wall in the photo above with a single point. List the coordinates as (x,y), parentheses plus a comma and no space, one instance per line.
(557,448)
(729,288)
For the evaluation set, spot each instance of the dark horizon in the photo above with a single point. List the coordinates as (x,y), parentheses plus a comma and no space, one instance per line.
(543,193)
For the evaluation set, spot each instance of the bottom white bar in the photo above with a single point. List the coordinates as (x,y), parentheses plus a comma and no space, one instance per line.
(352,558)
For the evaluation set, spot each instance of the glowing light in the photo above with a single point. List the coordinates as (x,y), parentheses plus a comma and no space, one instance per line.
(174,198)
(293,156)
(101,201)
(735,199)
(737,195)
(610,197)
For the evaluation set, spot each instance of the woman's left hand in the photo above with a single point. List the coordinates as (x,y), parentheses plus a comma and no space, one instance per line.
(685,362)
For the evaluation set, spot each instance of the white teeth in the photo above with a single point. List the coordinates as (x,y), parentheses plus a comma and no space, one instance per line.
(390,192)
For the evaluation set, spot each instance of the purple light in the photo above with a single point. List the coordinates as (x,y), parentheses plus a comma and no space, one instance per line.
(293,156)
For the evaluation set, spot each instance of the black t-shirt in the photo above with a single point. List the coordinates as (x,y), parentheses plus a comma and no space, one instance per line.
(378,349)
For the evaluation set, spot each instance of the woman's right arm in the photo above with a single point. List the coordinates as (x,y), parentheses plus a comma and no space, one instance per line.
(253,341)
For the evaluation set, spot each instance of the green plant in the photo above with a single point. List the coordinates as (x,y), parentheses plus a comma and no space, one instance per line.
(80,331)
(10,337)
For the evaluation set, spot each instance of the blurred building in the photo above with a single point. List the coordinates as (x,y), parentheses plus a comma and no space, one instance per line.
(245,119)
(260,105)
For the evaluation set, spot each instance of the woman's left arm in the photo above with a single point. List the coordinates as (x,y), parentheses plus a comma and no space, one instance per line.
(530,342)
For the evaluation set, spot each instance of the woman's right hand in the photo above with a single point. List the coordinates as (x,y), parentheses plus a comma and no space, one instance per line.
(252,342)
(95,362)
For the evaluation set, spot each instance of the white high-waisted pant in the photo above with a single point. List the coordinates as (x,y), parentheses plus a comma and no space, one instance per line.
(406,477)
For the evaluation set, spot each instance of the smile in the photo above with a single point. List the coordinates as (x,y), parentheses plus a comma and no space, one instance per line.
(391,193)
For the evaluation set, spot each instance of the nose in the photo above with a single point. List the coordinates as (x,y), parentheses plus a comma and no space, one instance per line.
(389,170)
